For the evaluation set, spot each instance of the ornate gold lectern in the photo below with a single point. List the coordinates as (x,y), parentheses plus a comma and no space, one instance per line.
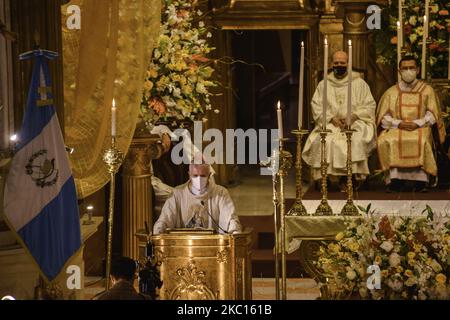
(204,266)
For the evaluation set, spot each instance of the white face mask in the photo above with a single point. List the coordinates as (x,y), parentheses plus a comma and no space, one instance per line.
(199,183)
(408,75)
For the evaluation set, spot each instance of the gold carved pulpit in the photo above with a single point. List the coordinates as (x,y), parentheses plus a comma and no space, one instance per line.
(201,265)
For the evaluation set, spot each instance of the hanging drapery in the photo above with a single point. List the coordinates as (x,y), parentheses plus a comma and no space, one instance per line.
(105,59)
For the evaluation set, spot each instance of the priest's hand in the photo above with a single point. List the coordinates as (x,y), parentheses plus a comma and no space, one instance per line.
(338,123)
(353,119)
(407,125)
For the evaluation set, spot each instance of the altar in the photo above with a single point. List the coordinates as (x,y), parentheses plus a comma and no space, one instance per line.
(204,266)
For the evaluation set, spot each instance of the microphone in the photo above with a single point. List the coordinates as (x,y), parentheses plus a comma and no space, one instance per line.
(207,212)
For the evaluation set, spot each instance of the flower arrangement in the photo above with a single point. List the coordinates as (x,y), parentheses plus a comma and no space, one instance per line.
(413,12)
(178,80)
(413,254)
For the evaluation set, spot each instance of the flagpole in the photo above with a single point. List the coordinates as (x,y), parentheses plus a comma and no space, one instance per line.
(113,158)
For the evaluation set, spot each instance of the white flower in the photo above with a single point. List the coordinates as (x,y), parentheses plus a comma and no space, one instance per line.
(216,111)
(209,35)
(413,20)
(351,274)
(199,12)
(387,246)
(422,296)
(394,259)
(201,24)
(360,230)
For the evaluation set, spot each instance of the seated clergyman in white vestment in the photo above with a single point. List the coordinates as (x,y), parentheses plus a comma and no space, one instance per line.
(199,203)
(362,121)
(407,113)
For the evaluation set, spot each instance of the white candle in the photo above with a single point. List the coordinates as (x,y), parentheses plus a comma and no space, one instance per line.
(400,21)
(399,47)
(301,84)
(113,118)
(280,121)
(325,76)
(350,78)
(424,47)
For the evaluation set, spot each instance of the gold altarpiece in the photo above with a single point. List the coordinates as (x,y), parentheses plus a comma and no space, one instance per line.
(203,266)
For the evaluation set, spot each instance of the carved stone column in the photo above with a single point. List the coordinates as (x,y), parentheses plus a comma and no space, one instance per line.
(137,190)
(355,29)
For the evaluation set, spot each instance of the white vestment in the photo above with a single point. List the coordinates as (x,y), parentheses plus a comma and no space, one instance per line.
(214,207)
(363,139)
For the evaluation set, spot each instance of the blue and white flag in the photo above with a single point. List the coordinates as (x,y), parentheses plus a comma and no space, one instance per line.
(40,201)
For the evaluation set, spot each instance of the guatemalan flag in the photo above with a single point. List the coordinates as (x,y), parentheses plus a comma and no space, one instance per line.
(40,196)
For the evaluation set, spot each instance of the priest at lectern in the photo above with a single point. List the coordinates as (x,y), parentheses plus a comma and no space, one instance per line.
(199,204)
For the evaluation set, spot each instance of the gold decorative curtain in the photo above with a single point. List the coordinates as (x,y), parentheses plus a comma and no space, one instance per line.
(106,59)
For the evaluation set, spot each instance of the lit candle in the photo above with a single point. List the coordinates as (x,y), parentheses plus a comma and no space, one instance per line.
(424,47)
(325,76)
(113,118)
(280,121)
(350,78)
(300,83)
(399,46)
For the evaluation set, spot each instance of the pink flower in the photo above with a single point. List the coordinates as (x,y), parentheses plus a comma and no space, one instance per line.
(197,57)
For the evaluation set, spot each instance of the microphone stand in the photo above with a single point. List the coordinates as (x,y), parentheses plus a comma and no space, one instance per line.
(207,212)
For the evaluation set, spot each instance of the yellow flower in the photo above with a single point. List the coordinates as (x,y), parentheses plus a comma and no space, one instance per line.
(152,73)
(335,248)
(353,246)
(417,247)
(339,236)
(411,255)
(441,278)
(399,269)
(148,85)
(408,273)
(378,260)
(384,273)
(187,90)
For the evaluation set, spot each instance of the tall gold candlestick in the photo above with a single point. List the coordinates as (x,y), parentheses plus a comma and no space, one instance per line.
(349,208)
(113,158)
(298,209)
(273,165)
(285,165)
(324,208)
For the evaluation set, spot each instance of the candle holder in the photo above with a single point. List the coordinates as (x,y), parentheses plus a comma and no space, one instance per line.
(324,208)
(298,209)
(285,165)
(349,208)
(273,164)
(113,159)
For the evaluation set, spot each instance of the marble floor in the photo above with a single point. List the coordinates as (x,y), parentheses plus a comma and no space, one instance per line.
(253,194)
